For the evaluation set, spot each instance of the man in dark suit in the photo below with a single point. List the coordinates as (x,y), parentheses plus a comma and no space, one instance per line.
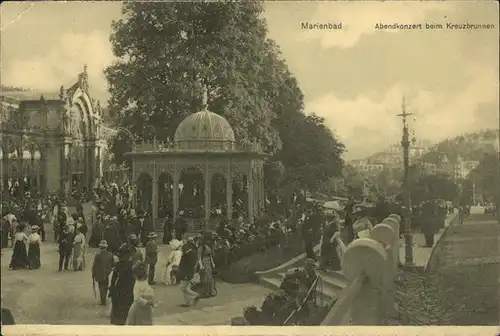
(65,247)
(101,269)
(151,257)
(146,228)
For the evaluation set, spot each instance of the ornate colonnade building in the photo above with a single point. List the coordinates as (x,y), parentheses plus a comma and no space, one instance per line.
(202,171)
(51,143)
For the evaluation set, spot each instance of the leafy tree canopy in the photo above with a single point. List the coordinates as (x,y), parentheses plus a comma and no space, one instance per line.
(433,186)
(169,52)
(485,179)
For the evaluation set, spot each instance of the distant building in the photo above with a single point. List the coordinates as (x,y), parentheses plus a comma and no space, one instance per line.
(393,156)
(365,167)
(458,168)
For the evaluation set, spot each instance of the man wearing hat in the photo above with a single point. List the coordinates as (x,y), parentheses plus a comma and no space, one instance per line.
(101,269)
(146,228)
(151,257)
(180,226)
(134,247)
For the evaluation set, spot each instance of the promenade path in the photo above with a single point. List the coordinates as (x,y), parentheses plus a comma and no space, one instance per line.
(421,253)
(46,296)
(468,268)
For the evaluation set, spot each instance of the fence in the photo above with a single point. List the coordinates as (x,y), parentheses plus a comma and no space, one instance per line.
(370,264)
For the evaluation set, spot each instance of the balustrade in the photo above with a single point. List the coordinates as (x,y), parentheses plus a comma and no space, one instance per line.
(371,266)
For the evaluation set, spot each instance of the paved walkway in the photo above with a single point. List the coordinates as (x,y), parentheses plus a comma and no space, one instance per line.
(51,297)
(421,253)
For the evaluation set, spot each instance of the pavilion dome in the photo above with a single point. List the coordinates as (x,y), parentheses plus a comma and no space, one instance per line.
(204,130)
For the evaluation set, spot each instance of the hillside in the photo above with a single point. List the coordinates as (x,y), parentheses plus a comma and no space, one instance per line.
(8,88)
(470,146)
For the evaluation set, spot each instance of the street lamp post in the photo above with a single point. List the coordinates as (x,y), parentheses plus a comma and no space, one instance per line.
(407,200)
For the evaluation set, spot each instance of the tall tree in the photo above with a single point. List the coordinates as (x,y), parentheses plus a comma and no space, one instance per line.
(311,153)
(433,186)
(485,180)
(168,51)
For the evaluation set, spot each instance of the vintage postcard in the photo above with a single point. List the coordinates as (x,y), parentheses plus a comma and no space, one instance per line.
(250,167)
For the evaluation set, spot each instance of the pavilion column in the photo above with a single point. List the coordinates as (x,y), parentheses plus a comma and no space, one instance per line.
(229,196)
(33,180)
(154,200)
(250,196)
(208,196)
(262,193)
(175,198)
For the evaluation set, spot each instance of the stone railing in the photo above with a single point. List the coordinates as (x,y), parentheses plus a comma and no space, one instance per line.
(370,264)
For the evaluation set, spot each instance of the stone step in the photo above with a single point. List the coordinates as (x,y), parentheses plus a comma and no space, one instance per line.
(325,293)
(335,279)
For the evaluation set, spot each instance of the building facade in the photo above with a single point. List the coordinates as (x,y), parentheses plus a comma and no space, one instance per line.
(51,142)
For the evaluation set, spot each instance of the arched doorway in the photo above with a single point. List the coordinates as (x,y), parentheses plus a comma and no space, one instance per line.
(144,193)
(165,196)
(240,196)
(218,195)
(192,193)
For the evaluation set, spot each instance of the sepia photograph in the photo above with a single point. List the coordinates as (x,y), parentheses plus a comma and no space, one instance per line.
(249,163)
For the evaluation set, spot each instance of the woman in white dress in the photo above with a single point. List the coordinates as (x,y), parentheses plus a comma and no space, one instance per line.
(172,263)
(141,311)
(79,251)
(34,248)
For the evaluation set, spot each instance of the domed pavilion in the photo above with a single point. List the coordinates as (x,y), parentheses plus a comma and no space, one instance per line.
(203,175)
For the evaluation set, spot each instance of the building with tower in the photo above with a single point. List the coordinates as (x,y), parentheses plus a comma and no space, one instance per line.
(51,142)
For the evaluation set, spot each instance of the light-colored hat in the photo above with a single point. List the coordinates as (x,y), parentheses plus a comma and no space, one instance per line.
(152,235)
(79,225)
(133,236)
(103,243)
(35,228)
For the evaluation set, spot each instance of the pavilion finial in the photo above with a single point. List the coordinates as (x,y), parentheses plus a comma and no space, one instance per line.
(204,98)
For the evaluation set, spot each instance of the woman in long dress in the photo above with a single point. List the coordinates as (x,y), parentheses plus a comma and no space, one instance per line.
(19,256)
(96,234)
(328,256)
(172,263)
(34,248)
(141,311)
(122,286)
(79,251)
(206,263)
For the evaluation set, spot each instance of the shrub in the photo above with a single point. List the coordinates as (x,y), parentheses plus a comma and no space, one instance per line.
(261,259)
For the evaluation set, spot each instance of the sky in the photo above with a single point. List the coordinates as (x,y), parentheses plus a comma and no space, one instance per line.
(355,77)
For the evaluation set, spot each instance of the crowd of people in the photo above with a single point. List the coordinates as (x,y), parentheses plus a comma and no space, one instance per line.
(119,231)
